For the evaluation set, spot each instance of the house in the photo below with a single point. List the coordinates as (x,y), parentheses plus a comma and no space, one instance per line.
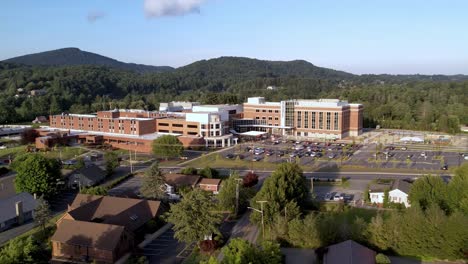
(40,120)
(101,228)
(16,210)
(398,193)
(175,181)
(86,177)
(211,185)
(347,252)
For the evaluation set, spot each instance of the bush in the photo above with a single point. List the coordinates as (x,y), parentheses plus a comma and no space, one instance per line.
(382,259)
(189,171)
(251,179)
(208,246)
(208,172)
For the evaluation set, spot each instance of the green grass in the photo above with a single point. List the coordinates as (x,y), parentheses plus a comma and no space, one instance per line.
(12,151)
(64,152)
(38,229)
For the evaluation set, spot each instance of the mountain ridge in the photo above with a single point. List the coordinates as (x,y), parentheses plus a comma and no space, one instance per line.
(75,56)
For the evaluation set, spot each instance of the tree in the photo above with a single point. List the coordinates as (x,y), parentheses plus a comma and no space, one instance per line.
(42,213)
(167,146)
(29,136)
(208,172)
(250,179)
(153,185)
(382,259)
(189,171)
(37,174)
(286,184)
(97,190)
(227,194)
(112,161)
(457,196)
(386,198)
(241,251)
(193,217)
(80,163)
(429,190)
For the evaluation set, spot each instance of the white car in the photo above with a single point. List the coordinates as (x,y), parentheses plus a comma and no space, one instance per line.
(337,197)
(423,154)
(3,147)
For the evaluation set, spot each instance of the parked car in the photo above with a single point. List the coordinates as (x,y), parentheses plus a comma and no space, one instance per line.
(423,154)
(328,196)
(3,147)
(445,167)
(257,158)
(280,153)
(240,156)
(230,156)
(404,148)
(337,197)
(331,156)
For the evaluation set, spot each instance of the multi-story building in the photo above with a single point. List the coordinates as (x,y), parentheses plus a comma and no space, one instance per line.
(136,129)
(323,118)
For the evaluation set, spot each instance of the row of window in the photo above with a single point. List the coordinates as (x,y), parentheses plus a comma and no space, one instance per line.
(269,118)
(328,120)
(266,111)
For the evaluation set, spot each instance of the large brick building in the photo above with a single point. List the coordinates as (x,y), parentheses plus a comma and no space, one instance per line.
(323,118)
(206,125)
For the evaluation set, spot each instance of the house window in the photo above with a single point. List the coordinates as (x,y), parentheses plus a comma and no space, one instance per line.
(306,119)
(299,119)
(335,122)
(320,120)
(313,120)
(328,120)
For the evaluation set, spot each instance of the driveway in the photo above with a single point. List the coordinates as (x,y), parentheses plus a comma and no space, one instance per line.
(165,249)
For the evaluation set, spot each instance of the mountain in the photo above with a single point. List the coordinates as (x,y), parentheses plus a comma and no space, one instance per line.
(75,56)
(247,68)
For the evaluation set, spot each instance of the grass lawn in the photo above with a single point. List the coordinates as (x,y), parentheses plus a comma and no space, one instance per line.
(4,153)
(64,152)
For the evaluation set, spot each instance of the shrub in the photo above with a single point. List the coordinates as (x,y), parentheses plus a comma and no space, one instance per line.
(189,171)
(250,179)
(382,259)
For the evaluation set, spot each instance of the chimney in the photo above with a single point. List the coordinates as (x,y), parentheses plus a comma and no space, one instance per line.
(19,212)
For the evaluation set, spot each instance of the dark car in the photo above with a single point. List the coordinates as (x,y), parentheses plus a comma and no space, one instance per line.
(240,156)
(257,158)
(230,156)
(280,153)
(445,167)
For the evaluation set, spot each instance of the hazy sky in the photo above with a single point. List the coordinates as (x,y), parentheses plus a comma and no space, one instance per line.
(358,36)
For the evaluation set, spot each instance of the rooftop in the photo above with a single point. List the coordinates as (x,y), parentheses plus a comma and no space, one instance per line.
(8,205)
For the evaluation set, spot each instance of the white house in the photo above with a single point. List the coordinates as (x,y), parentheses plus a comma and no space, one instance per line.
(397,194)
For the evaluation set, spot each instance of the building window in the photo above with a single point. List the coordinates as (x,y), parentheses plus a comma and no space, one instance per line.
(217,126)
(270,118)
(270,111)
(320,120)
(163,124)
(203,126)
(257,110)
(276,111)
(299,119)
(335,122)
(328,120)
(276,118)
(313,120)
(257,117)
(306,119)
(264,111)
(192,126)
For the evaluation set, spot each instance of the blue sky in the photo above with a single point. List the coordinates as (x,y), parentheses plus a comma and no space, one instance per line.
(358,36)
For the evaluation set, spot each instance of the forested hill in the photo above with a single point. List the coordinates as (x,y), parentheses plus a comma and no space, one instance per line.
(75,56)
(438,103)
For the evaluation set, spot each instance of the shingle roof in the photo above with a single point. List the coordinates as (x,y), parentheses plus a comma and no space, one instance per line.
(8,205)
(178,180)
(208,181)
(92,172)
(349,252)
(95,235)
(131,213)
(401,185)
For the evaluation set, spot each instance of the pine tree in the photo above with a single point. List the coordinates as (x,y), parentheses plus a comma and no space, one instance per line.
(153,185)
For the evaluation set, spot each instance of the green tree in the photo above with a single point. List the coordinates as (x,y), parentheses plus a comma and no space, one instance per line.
(167,146)
(80,163)
(429,190)
(153,185)
(189,171)
(96,190)
(42,213)
(112,162)
(37,174)
(208,172)
(193,217)
(241,251)
(227,194)
(382,259)
(386,198)
(457,194)
(304,232)
(286,184)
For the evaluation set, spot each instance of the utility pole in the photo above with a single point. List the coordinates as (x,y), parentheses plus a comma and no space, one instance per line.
(237,195)
(263,221)
(130,160)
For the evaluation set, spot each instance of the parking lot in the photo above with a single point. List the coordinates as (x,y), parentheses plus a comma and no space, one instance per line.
(129,188)
(165,249)
(326,154)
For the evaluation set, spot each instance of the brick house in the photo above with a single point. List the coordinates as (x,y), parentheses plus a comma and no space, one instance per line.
(100,228)
(211,185)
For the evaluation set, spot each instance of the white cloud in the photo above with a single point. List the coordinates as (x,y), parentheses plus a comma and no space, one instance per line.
(160,8)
